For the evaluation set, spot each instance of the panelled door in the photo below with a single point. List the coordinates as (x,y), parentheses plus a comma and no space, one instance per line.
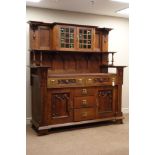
(44,38)
(85,38)
(76,38)
(61,107)
(67,37)
(106,98)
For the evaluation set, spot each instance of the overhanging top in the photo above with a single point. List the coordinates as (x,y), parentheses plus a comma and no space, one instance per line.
(35,23)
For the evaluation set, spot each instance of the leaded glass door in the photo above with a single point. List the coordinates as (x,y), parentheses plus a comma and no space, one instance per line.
(85,39)
(67,37)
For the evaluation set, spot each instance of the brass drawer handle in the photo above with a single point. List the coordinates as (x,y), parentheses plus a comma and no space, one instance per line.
(84,114)
(52,82)
(84,91)
(84,102)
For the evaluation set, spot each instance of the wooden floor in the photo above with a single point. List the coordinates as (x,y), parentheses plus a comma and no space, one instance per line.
(96,139)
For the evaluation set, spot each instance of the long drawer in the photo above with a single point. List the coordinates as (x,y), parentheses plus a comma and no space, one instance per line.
(84,101)
(84,114)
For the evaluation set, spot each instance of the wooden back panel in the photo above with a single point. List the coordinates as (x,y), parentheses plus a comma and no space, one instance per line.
(69,62)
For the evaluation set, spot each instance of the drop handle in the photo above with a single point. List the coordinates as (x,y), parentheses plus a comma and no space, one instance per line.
(84,91)
(84,102)
(84,114)
(52,81)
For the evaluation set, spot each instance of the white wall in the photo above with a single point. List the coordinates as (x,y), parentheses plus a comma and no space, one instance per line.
(118,39)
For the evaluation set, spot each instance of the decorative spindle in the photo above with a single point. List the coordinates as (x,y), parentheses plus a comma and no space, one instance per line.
(34,58)
(112,59)
(108,59)
(41,58)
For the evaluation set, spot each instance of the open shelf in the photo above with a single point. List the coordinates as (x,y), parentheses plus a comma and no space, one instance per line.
(58,51)
(39,66)
(112,66)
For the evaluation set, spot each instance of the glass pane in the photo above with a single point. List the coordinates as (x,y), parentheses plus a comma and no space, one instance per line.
(67,40)
(84,46)
(67,35)
(80,36)
(80,46)
(62,40)
(85,36)
(85,31)
(89,36)
(71,40)
(71,30)
(71,36)
(89,46)
(89,41)
(71,45)
(67,29)
(67,45)
(62,30)
(62,45)
(89,32)
(62,35)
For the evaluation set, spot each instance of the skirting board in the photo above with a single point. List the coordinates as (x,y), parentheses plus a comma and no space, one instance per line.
(124,110)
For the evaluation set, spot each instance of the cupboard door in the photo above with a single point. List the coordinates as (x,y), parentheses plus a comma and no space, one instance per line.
(97,41)
(106,102)
(85,39)
(40,38)
(67,37)
(61,111)
(44,38)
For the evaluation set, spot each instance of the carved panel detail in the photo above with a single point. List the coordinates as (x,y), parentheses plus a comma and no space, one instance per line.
(105,100)
(60,105)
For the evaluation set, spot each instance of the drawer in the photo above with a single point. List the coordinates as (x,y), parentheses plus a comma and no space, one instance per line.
(85,101)
(84,114)
(84,91)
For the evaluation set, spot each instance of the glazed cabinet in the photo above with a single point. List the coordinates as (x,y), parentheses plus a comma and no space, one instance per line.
(70,82)
(72,38)
(67,37)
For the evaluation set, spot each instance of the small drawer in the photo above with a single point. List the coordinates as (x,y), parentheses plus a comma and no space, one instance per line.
(85,101)
(84,91)
(84,114)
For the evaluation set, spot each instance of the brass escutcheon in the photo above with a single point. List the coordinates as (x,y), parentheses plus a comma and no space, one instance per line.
(84,102)
(84,91)
(52,81)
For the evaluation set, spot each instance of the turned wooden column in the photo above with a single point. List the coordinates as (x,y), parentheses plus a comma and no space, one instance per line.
(119,72)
